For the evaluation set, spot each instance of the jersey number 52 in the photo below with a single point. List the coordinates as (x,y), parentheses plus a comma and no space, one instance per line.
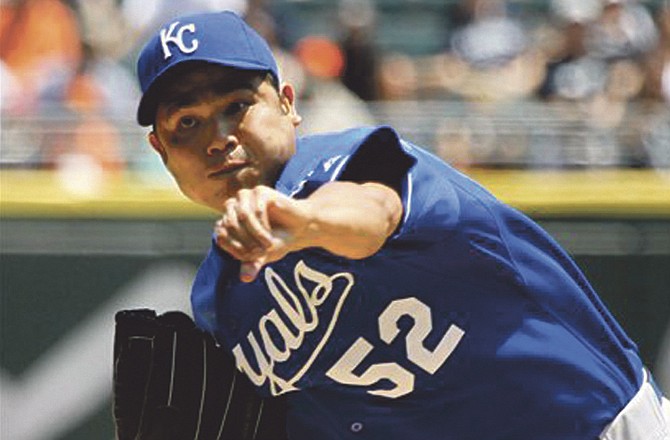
(403,380)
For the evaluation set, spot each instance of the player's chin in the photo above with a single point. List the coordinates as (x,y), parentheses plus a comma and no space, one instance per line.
(216,201)
(210,196)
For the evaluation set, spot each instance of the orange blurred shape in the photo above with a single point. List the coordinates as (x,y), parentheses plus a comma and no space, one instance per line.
(320,56)
(83,94)
(38,31)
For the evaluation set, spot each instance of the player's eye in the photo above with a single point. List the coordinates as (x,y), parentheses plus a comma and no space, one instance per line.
(187,122)
(235,108)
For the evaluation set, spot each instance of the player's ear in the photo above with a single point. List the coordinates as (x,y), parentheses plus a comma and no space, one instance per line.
(157,146)
(287,98)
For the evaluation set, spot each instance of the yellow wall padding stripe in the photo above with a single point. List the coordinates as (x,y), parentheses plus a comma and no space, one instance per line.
(603,193)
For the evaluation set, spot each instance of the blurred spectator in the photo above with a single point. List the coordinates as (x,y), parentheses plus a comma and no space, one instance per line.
(491,62)
(625,29)
(328,104)
(603,65)
(143,16)
(83,93)
(10,89)
(601,45)
(656,137)
(50,70)
(569,74)
(40,44)
(88,154)
(621,37)
(657,62)
(491,57)
(261,19)
(88,160)
(398,77)
(597,65)
(360,73)
(103,27)
(490,38)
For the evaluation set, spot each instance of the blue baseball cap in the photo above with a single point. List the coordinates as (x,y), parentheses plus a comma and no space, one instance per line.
(220,38)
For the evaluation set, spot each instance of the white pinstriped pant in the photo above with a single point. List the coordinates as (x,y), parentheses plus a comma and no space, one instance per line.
(645,417)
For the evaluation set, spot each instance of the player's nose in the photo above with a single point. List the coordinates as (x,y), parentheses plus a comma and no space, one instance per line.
(224,140)
(222,145)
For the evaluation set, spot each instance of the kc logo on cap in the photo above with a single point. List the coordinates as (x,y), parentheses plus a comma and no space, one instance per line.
(222,38)
(169,36)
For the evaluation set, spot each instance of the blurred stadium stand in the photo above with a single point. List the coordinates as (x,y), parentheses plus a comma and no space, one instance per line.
(518,134)
(488,106)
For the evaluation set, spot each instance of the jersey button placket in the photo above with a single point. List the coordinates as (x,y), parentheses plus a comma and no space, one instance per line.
(356,427)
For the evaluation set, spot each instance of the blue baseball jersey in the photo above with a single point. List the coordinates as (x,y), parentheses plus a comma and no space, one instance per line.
(470,322)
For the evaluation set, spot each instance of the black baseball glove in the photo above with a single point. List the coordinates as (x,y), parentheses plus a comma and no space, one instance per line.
(172,382)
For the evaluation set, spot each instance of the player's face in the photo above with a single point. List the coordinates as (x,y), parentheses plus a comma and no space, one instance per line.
(219,130)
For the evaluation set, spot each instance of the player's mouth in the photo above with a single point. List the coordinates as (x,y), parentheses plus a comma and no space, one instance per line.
(228,169)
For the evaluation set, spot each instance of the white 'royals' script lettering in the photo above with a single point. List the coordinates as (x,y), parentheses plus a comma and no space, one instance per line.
(169,36)
(278,335)
(300,310)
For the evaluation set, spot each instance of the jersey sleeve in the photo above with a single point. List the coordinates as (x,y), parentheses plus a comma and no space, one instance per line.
(368,154)
(431,204)
(380,158)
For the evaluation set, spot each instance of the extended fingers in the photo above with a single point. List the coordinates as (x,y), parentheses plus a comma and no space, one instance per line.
(252,215)
(226,239)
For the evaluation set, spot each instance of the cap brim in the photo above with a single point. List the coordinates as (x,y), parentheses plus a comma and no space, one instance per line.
(146,111)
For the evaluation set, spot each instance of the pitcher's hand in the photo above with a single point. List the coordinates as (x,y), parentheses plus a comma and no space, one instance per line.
(260,226)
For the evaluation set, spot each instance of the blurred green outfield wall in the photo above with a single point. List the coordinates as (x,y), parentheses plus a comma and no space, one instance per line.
(68,263)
